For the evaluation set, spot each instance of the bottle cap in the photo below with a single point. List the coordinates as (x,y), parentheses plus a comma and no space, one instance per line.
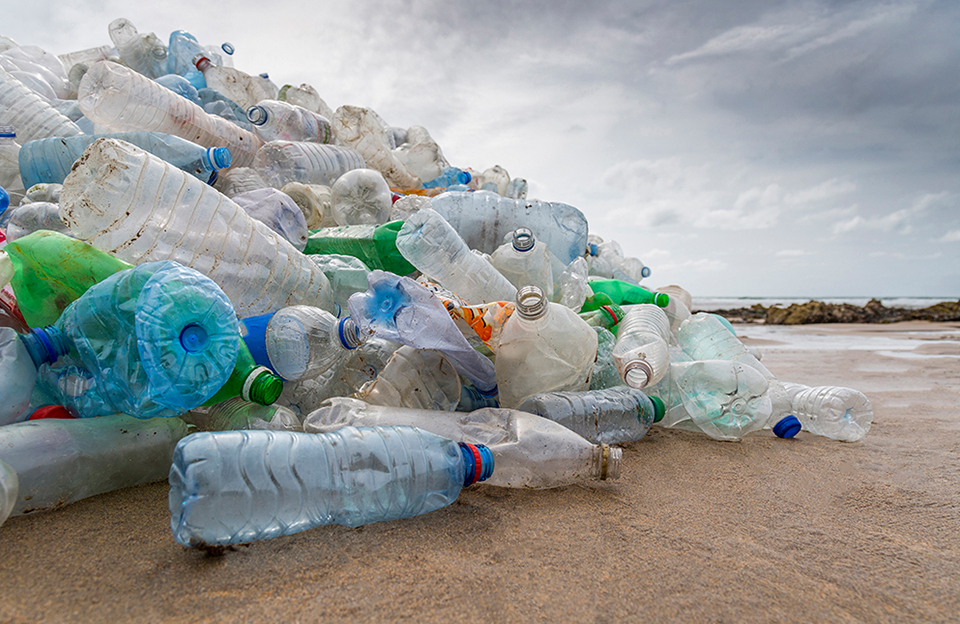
(787,427)
(4,200)
(228,48)
(592,250)
(194,338)
(257,115)
(661,300)
(217,158)
(479,463)
(7,131)
(659,409)
(45,345)
(50,411)
(262,387)
(523,239)
(645,272)
(464,177)
(531,302)
(158,52)
(349,332)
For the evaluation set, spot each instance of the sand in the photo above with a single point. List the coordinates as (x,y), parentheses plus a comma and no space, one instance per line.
(762,530)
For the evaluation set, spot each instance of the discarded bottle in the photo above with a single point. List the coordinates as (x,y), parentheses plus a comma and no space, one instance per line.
(9,489)
(704,337)
(234,414)
(142,52)
(430,244)
(239,180)
(361,197)
(124,101)
(31,116)
(415,378)
(300,342)
(316,202)
(374,245)
(50,160)
(362,130)
(834,412)
(61,461)
(624,293)
(641,352)
(34,216)
(529,451)
(10,179)
(610,416)
(347,275)
(483,219)
(544,347)
(605,372)
(280,121)
(19,374)
(240,87)
(234,487)
(448,177)
(605,316)
(252,383)
(171,215)
(278,212)
(525,261)
(282,162)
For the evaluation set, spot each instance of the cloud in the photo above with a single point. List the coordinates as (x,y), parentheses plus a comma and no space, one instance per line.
(830,189)
(900,221)
(953,236)
(791,253)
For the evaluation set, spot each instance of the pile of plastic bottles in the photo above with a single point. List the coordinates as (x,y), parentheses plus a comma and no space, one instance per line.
(304,316)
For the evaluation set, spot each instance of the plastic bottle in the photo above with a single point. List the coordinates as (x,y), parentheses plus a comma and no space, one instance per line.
(605,316)
(307,97)
(155,340)
(235,413)
(362,130)
(9,488)
(361,197)
(10,165)
(704,337)
(430,244)
(31,116)
(315,201)
(282,162)
(50,160)
(483,219)
(182,48)
(171,215)
(517,189)
(525,261)
(300,342)
(641,353)
(624,293)
(240,87)
(374,245)
(723,399)
(610,416)
(544,347)
(19,375)
(834,412)
(142,52)
(605,373)
(59,461)
(529,451)
(415,378)
(278,212)
(122,100)
(448,177)
(215,103)
(280,121)
(347,275)
(249,381)
(238,486)
(239,180)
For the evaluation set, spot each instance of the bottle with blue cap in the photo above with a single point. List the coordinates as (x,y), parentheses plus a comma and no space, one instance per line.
(300,342)
(834,412)
(274,120)
(50,160)
(524,260)
(449,176)
(235,487)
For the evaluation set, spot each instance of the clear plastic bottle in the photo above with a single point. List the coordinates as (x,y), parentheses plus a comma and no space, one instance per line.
(641,353)
(142,52)
(281,162)
(50,160)
(483,219)
(239,180)
(301,342)
(171,215)
(723,399)
(278,212)
(363,130)
(347,275)
(10,179)
(529,451)
(122,100)
(19,374)
(306,96)
(240,87)
(430,244)
(416,378)
(35,216)
(609,416)
(704,337)
(9,489)
(239,486)
(31,116)
(525,261)
(60,461)
(235,413)
(834,412)
(361,197)
(544,347)
(316,202)
(280,121)
(517,189)
(605,373)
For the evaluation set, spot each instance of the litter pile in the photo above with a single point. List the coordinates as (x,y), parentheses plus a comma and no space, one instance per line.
(313,313)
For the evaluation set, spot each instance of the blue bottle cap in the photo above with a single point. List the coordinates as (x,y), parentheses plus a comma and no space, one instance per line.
(464,177)
(592,249)
(7,131)
(787,427)
(479,463)
(257,115)
(228,48)
(4,200)
(645,271)
(219,157)
(194,338)
(253,330)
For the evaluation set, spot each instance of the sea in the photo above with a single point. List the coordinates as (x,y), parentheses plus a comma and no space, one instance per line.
(706,304)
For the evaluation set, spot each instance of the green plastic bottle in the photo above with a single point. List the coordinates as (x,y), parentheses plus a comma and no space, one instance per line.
(375,245)
(605,316)
(625,293)
(253,383)
(52,270)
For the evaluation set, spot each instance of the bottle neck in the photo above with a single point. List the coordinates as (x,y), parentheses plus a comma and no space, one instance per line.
(531,303)
(261,386)
(606,462)
(45,345)
(477,461)
(349,333)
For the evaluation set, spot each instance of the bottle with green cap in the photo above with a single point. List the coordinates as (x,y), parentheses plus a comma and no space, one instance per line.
(625,293)
(375,245)
(251,382)
(606,316)
(610,416)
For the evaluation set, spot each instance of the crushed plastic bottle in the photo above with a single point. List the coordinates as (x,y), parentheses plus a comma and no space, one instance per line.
(416,378)
(525,261)
(361,197)
(281,121)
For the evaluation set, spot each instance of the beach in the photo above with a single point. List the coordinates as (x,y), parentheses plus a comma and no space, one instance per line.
(695,530)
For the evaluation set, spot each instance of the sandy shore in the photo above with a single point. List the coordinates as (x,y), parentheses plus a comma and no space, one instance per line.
(764,530)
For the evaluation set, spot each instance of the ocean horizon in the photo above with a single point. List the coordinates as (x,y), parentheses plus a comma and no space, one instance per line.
(707,304)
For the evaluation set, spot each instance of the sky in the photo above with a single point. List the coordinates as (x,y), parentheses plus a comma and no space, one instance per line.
(736,147)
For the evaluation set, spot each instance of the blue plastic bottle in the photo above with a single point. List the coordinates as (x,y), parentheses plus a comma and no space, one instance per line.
(449,176)
(234,487)
(50,160)
(155,340)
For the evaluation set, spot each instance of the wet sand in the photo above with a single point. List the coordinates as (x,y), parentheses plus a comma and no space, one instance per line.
(762,530)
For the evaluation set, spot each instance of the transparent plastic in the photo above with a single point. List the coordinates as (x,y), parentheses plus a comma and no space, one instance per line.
(238,180)
(282,162)
(239,486)
(307,97)
(316,202)
(544,347)
(10,180)
(430,244)
(134,205)
(605,373)
(416,378)
(529,451)
(142,52)
(347,275)
(834,412)
(34,216)
(362,130)
(483,219)
(60,461)
(19,375)
(50,160)
(29,114)
(234,414)
(122,100)
(361,197)
(420,154)
(601,416)
(278,212)
(242,88)
(281,121)
(704,337)
(525,261)
(302,341)
(9,489)
(448,177)
(641,353)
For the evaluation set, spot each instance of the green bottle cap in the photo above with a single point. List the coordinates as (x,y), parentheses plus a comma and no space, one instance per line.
(262,387)
(659,409)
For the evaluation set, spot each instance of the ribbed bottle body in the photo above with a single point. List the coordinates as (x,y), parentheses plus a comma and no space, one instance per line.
(642,353)
(834,412)
(287,122)
(240,486)
(281,162)
(30,115)
(304,341)
(609,416)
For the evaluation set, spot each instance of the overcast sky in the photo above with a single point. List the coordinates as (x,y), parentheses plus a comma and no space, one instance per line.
(737,147)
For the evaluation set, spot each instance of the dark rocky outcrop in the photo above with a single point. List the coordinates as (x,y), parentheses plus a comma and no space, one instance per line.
(818,312)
